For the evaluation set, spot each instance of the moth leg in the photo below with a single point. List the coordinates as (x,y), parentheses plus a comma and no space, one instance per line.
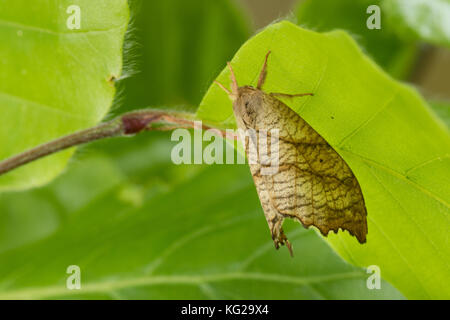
(287,95)
(289,246)
(278,236)
(262,74)
(281,239)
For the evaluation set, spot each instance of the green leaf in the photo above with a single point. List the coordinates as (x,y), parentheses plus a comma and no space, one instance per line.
(54,81)
(394,53)
(382,128)
(427,20)
(182,45)
(442,110)
(140,227)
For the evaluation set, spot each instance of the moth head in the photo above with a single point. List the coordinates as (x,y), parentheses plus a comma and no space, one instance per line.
(246,105)
(245,99)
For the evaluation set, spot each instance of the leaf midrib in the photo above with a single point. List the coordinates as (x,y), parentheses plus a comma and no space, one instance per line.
(398,175)
(102,287)
(17,25)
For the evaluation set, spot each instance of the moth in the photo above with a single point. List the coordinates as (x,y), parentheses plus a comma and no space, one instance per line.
(313,184)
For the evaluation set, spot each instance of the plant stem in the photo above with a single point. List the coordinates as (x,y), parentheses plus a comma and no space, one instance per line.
(127,124)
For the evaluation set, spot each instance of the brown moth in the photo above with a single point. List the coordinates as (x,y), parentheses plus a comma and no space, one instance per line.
(313,184)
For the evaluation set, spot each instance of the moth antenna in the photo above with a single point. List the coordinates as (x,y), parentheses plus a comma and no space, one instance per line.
(234,85)
(263,73)
(223,87)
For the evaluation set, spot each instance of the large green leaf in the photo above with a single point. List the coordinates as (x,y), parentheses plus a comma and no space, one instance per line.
(53,80)
(442,110)
(428,20)
(396,147)
(140,227)
(394,53)
(182,45)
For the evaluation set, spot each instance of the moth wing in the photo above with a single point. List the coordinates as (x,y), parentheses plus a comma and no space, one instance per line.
(315,186)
